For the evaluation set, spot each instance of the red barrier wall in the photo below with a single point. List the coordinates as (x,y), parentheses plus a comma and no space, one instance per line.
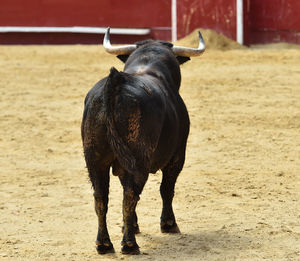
(265,21)
(115,13)
(219,15)
(155,14)
(274,21)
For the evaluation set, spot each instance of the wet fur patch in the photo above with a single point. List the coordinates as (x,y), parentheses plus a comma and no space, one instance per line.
(134,126)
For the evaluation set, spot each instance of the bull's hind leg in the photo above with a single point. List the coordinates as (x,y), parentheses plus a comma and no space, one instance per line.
(133,186)
(99,176)
(170,173)
(103,243)
(135,224)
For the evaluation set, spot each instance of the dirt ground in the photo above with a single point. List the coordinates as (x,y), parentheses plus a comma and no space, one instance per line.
(237,198)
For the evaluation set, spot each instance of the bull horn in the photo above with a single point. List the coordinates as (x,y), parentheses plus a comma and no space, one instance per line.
(188,52)
(118,50)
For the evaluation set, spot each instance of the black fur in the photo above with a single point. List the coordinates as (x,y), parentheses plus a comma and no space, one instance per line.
(136,123)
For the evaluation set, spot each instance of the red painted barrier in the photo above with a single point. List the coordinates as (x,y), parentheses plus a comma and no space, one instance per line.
(274,21)
(264,21)
(273,15)
(114,13)
(219,15)
(154,14)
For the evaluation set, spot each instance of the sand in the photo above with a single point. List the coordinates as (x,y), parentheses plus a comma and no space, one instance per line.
(216,41)
(237,198)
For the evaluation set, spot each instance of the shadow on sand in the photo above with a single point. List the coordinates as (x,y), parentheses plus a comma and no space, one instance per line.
(204,245)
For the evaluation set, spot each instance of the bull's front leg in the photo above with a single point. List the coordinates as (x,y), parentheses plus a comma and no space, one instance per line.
(168,222)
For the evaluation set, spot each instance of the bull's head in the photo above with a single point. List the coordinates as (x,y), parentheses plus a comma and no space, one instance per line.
(183,52)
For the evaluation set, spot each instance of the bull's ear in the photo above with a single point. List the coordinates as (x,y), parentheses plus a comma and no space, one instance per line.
(123,58)
(182,59)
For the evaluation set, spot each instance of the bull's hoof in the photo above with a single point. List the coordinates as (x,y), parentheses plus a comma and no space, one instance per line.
(169,227)
(130,248)
(104,247)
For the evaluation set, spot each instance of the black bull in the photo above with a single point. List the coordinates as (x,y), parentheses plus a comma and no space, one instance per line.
(136,122)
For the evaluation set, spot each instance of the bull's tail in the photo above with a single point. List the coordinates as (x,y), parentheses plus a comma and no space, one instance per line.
(118,143)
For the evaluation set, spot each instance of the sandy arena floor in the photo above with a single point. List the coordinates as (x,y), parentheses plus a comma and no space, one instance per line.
(237,198)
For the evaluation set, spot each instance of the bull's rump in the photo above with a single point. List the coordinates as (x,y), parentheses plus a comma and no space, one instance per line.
(142,126)
(146,120)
